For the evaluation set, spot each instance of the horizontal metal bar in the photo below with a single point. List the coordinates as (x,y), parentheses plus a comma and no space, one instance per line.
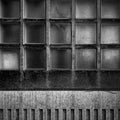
(110,70)
(86,20)
(60,20)
(34,69)
(34,20)
(35,46)
(90,46)
(10,21)
(9,46)
(86,70)
(110,20)
(61,47)
(110,46)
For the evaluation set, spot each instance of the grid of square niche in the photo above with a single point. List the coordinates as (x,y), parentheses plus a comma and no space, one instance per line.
(59,34)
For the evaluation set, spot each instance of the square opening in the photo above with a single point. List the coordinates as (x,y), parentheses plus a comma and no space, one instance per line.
(60,8)
(85,33)
(110,8)
(110,34)
(35,58)
(10,8)
(60,33)
(86,58)
(10,33)
(86,9)
(34,8)
(9,59)
(110,58)
(61,58)
(34,32)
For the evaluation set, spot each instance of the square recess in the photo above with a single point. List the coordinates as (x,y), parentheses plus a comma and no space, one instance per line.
(110,33)
(10,33)
(60,33)
(61,58)
(10,8)
(85,59)
(34,32)
(34,9)
(110,58)
(60,8)
(110,8)
(85,33)
(35,58)
(9,59)
(86,9)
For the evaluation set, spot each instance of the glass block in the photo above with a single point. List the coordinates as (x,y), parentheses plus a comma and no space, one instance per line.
(85,33)
(60,8)
(85,58)
(110,8)
(9,59)
(34,8)
(110,34)
(60,33)
(34,32)
(61,59)
(85,9)
(10,33)
(110,58)
(35,58)
(10,8)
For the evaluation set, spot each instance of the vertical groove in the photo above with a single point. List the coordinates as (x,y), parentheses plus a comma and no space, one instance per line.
(87,114)
(80,114)
(111,114)
(25,114)
(33,114)
(72,114)
(103,114)
(118,114)
(41,114)
(17,114)
(56,114)
(95,114)
(48,114)
(1,114)
(9,114)
(64,114)
(21,42)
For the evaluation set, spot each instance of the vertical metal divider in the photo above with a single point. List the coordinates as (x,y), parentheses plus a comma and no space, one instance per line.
(47,8)
(21,41)
(98,42)
(1,64)
(0,9)
(73,42)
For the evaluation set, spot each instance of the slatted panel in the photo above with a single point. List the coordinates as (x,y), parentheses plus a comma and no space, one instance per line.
(59,105)
(106,115)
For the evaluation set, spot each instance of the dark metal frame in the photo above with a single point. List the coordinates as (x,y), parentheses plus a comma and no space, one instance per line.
(98,46)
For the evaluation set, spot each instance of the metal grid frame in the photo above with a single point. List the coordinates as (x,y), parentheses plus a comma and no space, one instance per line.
(73,46)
